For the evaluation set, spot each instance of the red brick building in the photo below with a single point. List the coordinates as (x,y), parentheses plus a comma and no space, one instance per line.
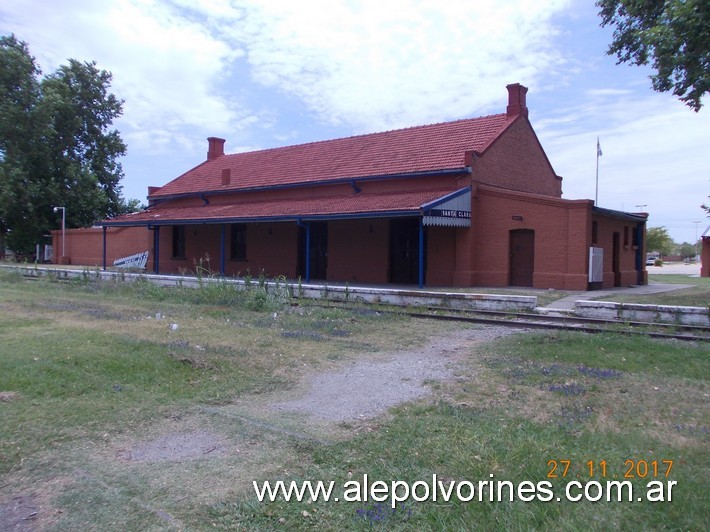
(473,202)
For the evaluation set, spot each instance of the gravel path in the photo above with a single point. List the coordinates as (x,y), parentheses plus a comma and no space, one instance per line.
(366,389)
(362,390)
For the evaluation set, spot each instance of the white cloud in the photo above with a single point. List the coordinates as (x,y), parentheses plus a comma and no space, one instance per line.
(165,66)
(377,65)
(259,72)
(654,154)
(369,65)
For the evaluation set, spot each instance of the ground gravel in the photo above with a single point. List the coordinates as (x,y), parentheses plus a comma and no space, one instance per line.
(366,389)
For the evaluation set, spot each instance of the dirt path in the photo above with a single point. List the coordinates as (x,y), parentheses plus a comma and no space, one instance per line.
(367,388)
(361,390)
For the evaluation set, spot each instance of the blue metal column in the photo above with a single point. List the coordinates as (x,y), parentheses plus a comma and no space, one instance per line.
(421,252)
(308,252)
(156,248)
(640,257)
(222,249)
(104,254)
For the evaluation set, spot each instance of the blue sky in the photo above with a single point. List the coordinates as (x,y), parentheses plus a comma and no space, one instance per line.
(272,73)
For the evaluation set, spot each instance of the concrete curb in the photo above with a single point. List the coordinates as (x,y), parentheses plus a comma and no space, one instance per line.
(389,296)
(637,312)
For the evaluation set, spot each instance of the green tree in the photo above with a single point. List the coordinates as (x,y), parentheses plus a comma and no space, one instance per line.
(57,147)
(658,240)
(687,250)
(672,35)
(19,96)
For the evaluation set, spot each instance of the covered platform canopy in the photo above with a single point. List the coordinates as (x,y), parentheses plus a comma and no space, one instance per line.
(433,207)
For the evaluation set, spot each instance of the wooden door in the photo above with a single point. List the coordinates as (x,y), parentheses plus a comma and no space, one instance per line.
(404,250)
(522,257)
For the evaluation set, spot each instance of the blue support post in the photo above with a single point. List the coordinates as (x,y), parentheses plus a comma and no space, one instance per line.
(421,252)
(640,257)
(222,249)
(308,252)
(156,248)
(104,253)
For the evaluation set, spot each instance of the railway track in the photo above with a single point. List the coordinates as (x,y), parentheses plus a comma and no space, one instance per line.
(526,320)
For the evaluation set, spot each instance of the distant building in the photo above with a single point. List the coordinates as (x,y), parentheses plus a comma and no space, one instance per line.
(473,202)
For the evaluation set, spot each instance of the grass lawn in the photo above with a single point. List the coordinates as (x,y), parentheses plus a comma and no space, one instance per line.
(94,378)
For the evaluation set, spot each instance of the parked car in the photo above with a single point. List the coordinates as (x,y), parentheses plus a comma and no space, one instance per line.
(650,261)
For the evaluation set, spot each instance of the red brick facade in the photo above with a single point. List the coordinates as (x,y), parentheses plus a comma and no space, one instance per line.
(84,247)
(360,207)
(528,170)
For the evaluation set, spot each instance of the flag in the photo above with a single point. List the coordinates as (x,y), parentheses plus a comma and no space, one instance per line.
(599,148)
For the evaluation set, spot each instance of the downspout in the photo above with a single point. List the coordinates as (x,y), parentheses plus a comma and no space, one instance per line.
(156,249)
(421,252)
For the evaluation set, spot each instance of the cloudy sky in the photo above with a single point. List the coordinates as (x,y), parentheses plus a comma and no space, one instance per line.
(277,72)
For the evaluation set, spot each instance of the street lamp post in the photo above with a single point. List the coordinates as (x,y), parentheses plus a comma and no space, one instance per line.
(64,226)
(695,244)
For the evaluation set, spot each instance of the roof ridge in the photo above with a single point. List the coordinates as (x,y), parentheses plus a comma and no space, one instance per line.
(374,133)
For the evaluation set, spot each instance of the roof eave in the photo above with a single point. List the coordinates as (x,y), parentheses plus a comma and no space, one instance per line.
(253,219)
(305,184)
(620,214)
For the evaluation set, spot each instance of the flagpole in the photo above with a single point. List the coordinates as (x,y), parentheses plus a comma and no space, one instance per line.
(596,193)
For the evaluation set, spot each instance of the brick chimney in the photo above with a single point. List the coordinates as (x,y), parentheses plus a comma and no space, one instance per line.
(215,148)
(516,100)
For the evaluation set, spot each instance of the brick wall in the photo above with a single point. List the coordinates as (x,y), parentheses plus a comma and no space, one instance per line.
(84,247)
(517,161)
(606,227)
(561,229)
(441,255)
(358,250)
(563,235)
(271,248)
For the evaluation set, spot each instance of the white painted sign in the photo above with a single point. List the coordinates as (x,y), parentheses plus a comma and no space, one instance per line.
(138,260)
(454,210)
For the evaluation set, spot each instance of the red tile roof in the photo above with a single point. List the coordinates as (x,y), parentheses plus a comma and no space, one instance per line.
(404,151)
(287,209)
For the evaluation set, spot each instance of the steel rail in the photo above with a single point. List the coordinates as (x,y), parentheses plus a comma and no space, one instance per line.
(525,320)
